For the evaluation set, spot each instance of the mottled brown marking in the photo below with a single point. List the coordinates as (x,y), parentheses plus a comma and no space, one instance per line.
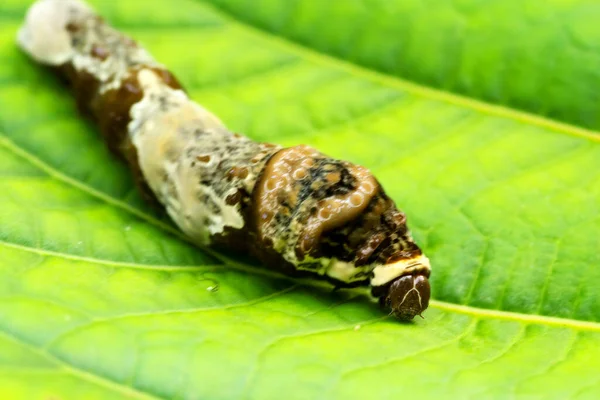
(366,250)
(237,172)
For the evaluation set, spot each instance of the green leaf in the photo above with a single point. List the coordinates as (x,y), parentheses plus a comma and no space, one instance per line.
(101,297)
(541,56)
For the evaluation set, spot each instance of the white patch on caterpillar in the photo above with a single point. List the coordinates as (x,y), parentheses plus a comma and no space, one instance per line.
(44,35)
(315,265)
(162,128)
(114,69)
(387,272)
(339,270)
(347,272)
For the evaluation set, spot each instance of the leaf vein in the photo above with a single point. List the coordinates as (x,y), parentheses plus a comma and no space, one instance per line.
(81,373)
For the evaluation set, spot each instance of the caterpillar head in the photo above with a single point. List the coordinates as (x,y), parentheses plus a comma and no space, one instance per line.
(408,294)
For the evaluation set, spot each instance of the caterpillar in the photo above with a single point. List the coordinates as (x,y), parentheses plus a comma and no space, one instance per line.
(294,209)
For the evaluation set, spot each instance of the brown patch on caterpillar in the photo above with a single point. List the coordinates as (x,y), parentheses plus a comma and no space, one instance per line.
(237,172)
(112,108)
(234,198)
(99,52)
(111,111)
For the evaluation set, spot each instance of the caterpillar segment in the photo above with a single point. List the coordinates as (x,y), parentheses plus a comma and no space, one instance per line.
(295,209)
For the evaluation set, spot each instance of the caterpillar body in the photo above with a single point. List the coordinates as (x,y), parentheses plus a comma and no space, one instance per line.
(295,209)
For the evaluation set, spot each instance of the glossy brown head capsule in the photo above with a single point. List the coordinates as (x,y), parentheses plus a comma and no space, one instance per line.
(408,296)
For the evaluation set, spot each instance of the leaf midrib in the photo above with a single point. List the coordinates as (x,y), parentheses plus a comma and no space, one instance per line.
(441,305)
(517,317)
(288,45)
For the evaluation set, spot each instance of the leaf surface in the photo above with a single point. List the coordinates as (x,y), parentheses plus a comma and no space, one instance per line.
(540,56)
(101,297)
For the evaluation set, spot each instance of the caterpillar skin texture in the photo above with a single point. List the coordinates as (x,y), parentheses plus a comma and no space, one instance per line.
(295,209)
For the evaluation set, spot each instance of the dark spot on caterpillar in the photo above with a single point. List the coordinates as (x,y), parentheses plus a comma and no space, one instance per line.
(72,28)
(99,52)
(163,103)
(268,242)
(368,248)
(204,158)
(234,198)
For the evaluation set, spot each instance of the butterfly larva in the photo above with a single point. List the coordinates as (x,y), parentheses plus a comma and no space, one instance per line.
(295,209)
